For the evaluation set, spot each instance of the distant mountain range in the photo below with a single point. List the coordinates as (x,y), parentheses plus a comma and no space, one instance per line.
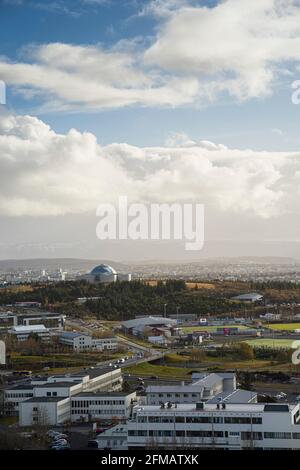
(76,264)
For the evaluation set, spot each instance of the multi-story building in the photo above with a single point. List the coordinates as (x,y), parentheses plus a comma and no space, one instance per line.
(22,332)
(83,342)
(102,406)
(220,425)
(114,438)
(203,387)
(61,386)
(44,411)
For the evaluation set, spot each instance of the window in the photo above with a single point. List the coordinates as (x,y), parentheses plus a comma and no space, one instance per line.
(277,435)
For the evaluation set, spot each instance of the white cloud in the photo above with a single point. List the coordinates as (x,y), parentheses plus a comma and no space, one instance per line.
(45,173)
(90,77)
(241,48)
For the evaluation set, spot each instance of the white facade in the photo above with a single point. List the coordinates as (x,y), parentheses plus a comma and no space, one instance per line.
(61,387)
(22,332)
(205,387)
(236,426)
(160,340)
(114,438)
(83,342)
(14,396)
(105,344)
(102,406)
(44,411)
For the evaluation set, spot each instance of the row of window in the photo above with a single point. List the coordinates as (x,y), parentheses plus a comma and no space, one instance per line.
(98,412)
(247,436)
(18,395)
(87,403)
(199,419)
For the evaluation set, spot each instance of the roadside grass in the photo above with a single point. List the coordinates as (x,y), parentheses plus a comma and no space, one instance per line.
(147,369)
(138,341)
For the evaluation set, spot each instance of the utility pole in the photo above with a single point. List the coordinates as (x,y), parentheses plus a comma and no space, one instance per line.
(165,310)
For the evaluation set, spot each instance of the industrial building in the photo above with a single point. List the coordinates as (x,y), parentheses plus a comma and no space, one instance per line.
(137,325)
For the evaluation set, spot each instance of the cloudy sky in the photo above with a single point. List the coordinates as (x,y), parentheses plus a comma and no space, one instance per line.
(159,100)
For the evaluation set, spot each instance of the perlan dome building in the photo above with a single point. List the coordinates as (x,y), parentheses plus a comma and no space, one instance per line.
(106,274)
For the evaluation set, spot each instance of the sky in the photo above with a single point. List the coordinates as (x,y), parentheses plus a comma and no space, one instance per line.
(159,100)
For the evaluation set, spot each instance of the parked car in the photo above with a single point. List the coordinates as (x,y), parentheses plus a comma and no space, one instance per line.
(93,444)
(62,442)
(60,436)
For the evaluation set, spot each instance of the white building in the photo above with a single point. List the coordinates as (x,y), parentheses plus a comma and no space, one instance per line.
(44,411)
(224,426)
(159,340)
(102,406)
(83,342)
(114,438)
(204,387)
(62,386)
(22,332)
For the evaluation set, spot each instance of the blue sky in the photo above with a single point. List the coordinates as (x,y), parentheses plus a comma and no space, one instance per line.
(169,100)
(253,123)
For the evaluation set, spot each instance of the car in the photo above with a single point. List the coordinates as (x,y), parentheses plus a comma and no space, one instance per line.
(52,433)
(62,442)
(154,377)
(110,364)
(60,447)
(93,444)
(60,436)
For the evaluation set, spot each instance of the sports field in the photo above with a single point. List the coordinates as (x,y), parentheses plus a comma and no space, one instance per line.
(190,329)
(270,343)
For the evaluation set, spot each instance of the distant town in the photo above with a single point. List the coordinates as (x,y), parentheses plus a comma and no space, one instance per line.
(108,359)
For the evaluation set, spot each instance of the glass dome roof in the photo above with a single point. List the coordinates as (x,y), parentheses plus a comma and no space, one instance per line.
(103,270)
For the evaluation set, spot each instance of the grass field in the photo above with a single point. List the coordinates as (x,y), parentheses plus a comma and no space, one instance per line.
(147,369)
(190,329)
(270,343)
(284,326)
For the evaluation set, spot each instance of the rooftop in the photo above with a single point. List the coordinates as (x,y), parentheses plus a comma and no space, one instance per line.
(235,396)
(103,394)
(209,407)
(26,328)
(144,321)
(45,399)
